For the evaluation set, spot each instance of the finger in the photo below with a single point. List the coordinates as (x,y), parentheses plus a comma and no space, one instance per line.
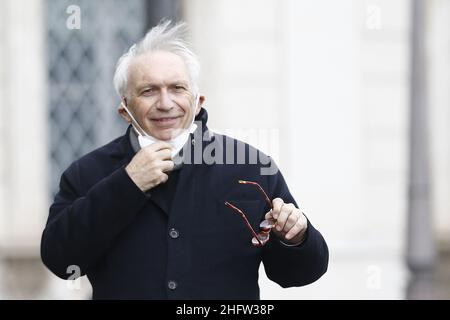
(167,165)
(295,230)
(277,204)
(268,215)
(163,177)
(282,217)
(163,154)
(291,221)
(286,210)
(159,145)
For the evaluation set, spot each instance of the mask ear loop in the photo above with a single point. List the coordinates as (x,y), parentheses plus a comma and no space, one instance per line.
(133,120)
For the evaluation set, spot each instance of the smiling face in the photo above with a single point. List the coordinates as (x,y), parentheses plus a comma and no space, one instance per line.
(159,94)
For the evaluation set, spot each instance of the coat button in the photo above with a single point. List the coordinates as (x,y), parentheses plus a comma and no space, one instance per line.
(193,141)
(173,233)
(172,285)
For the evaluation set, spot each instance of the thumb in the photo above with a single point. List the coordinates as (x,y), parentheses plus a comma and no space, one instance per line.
(269,216)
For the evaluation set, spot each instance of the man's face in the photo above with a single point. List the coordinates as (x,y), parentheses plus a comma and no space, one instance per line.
(159,94)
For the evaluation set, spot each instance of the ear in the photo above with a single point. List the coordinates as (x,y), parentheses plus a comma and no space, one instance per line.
(123,113)
(201,100)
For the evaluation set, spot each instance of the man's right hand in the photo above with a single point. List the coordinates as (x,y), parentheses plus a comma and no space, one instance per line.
(147,168)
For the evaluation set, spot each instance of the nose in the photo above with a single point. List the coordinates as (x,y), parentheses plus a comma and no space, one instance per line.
(165,102)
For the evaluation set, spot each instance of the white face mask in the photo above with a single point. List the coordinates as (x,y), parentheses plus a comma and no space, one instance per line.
(177,142)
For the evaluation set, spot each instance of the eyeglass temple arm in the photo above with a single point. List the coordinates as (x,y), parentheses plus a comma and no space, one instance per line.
(260,190)
(245,219)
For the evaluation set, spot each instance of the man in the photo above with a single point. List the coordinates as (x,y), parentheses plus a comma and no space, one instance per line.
(144,217)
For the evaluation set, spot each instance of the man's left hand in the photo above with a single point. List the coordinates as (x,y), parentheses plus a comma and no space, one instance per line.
(290,223)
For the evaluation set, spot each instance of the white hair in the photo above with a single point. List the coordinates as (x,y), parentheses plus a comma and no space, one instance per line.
(163,37)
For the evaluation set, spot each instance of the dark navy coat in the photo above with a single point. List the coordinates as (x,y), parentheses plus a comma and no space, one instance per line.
(179,240)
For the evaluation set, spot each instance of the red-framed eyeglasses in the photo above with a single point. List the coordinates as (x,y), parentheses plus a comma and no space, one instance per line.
(259,239)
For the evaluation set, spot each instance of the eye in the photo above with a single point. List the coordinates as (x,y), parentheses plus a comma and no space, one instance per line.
(179,87)
(147,91)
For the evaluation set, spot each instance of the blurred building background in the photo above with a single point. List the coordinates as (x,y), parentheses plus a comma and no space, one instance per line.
(350,97)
